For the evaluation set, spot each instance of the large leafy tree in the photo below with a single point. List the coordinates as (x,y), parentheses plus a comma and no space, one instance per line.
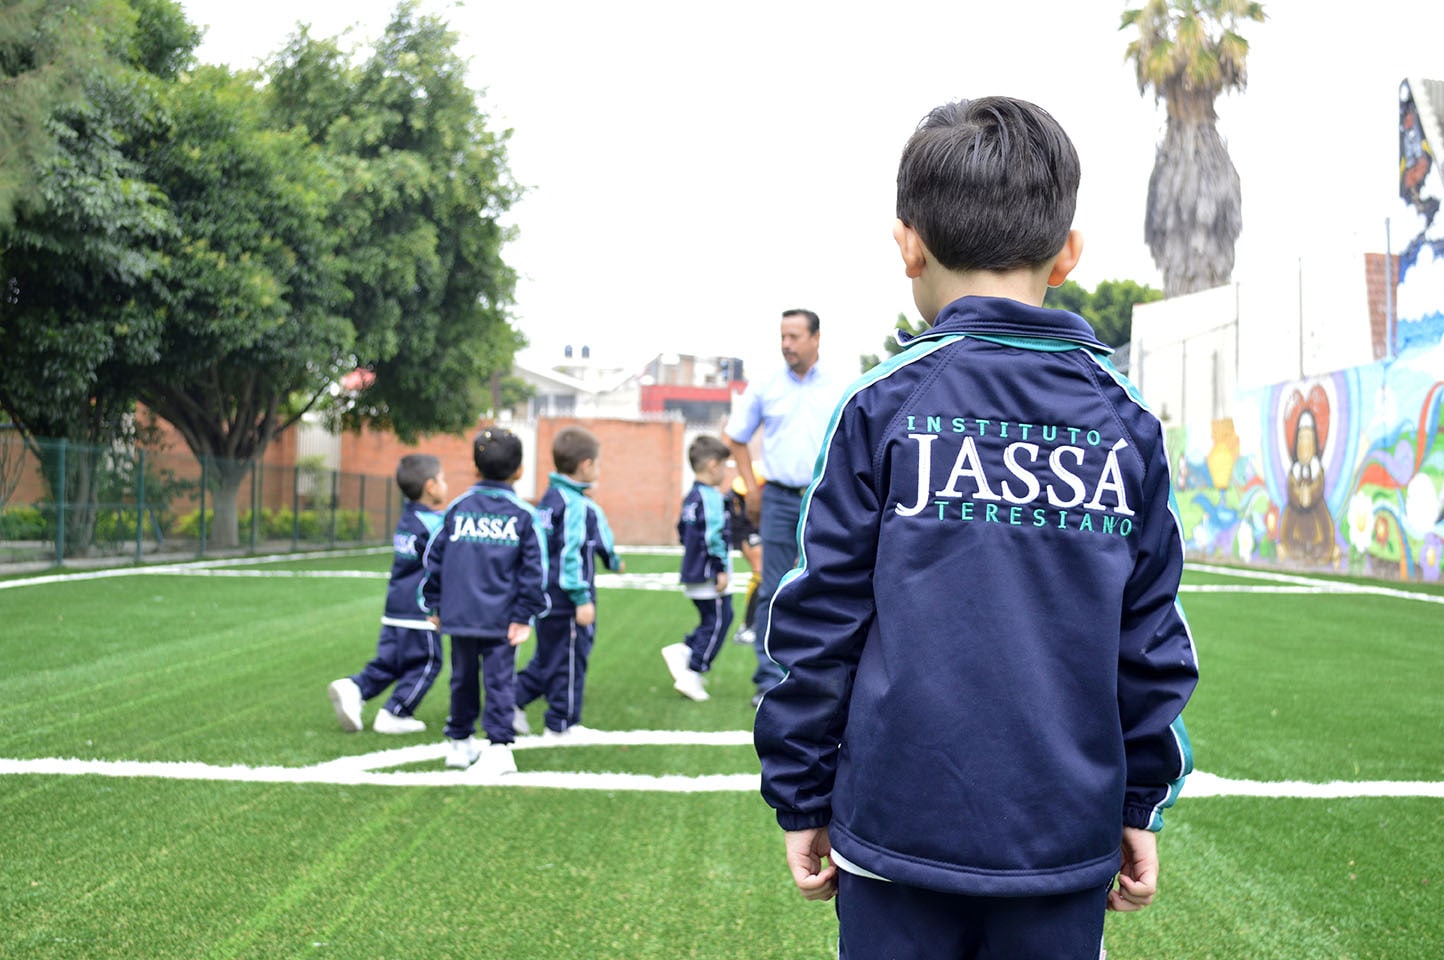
(86,237)
(426,182)
(249,294)
(1187,52)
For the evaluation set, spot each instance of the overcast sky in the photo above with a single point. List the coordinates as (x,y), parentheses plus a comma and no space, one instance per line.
(693,169)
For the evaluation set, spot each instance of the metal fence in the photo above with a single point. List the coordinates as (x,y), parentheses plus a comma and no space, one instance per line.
(63,502)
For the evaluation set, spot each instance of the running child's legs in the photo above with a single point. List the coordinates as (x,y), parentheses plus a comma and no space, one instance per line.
(409,657)
(877,919)
(558,670)
(714,620)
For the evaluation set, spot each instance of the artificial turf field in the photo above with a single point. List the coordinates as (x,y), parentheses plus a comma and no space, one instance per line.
(173,784)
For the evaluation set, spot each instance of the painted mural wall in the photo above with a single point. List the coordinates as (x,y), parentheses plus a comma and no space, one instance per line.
(1345,471)
(1342,472)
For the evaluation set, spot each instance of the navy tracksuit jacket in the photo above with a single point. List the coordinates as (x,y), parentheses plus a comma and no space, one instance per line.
(987,661)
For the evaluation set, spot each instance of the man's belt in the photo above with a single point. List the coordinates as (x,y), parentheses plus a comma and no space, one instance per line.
(795,491)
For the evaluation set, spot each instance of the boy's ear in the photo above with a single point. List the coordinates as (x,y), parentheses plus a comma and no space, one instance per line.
(910,245)
(1067,259)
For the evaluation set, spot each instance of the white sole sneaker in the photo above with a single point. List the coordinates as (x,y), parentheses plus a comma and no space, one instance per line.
(461,754)
(496,760)
(676,656)
(519,723)
(346,699)
(690,685)
(388,722)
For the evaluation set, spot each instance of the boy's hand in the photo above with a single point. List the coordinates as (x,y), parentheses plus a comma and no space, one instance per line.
(1138,872)
(435,620)
(586,614)
(805,850)
(721,582)
(517,633)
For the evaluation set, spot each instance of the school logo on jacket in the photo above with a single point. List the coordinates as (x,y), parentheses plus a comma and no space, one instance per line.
(1021,475)
(484,528)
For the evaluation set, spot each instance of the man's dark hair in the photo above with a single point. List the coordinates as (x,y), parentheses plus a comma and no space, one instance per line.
(813,324)
(989,184)
(706,449)
(497,453)
(413,471)
(571,446)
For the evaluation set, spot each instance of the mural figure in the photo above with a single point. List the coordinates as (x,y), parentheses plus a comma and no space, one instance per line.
(1306,529)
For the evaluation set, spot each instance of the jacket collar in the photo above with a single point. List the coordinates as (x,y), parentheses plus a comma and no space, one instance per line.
(562,480)
(1001,317)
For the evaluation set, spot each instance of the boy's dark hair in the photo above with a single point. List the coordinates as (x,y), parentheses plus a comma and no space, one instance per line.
(989,184)
(413,471)
(813,324)
(704,450)
(571,446)
(497,453)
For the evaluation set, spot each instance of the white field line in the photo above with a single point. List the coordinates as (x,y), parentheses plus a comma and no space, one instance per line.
(1317,585)
(375,769)
(1279,583)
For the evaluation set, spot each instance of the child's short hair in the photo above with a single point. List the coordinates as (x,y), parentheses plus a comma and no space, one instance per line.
(571,446)
(989,184)
(413,471)
(497,453)
(704,450)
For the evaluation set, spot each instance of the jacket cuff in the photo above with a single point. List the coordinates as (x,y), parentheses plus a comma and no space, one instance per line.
(1142,817)
(803,821)
(579,597)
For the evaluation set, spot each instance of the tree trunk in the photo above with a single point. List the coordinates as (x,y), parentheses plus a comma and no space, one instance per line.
(226,529)
(69,472)
(1194,207)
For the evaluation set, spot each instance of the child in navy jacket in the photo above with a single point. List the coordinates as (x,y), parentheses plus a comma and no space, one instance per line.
(577,534)
(704,529)
(987,663)
(408,652)
(486,581)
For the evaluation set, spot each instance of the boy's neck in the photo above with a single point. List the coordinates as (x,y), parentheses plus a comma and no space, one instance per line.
(1023,284)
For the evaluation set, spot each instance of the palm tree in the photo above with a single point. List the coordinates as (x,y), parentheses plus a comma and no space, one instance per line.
(1188,52)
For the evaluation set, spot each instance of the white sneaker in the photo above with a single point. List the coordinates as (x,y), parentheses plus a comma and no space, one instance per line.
(461,754)
(346,698)
(745,635)
(691,686)
(388,722)
(519,723)
(496,760)
(676,657)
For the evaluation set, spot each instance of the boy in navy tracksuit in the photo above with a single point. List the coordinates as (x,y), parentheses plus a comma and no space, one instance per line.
(577,533)
(408,652)
(704,529)
(987,663)
(486,581)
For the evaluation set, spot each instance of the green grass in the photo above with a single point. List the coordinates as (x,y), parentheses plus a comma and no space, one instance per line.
(225,671)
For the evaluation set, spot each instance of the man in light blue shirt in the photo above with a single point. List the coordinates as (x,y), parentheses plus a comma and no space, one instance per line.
(793,407)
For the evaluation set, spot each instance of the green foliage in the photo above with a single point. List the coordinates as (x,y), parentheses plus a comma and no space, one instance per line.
(1109,307)
(312,526)
(891,346)
(47,53)
(426,181)
(24,523)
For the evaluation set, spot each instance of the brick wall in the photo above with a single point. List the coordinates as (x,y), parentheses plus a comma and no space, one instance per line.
(641,468)
(641,474)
